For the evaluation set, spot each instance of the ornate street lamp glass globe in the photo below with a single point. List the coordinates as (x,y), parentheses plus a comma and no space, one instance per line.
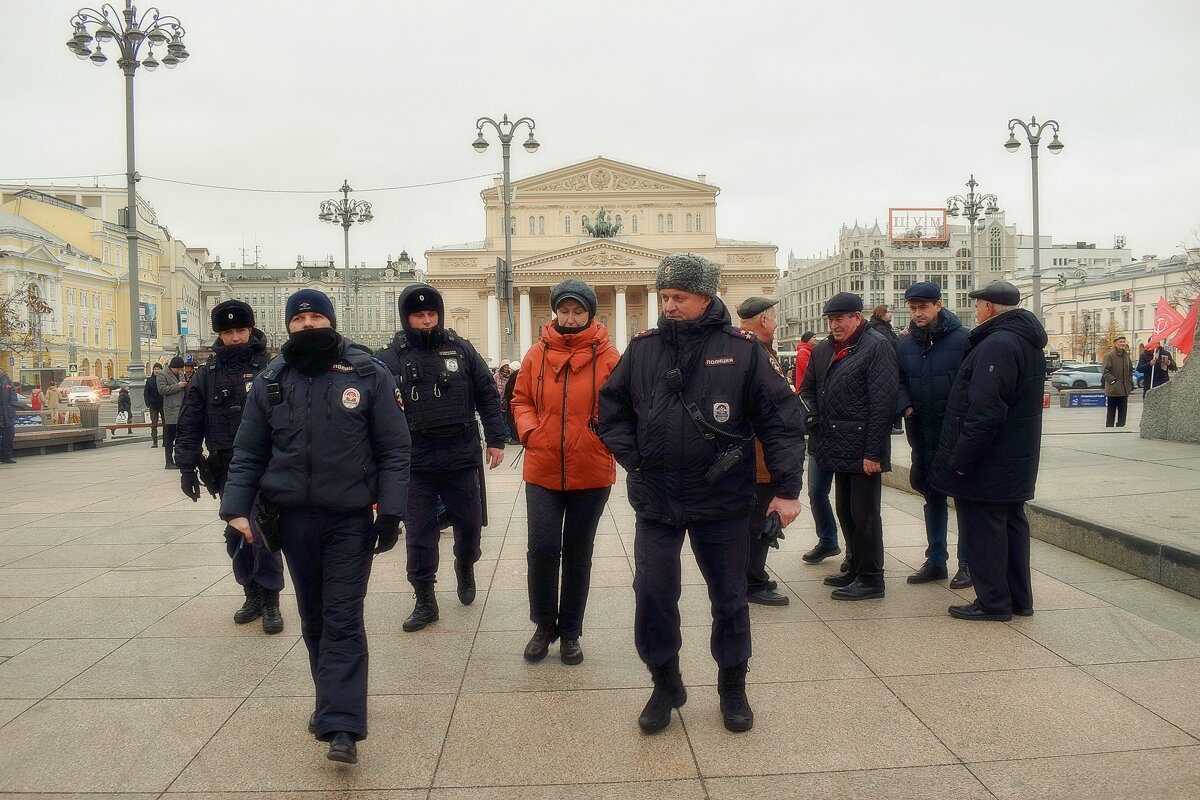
(81,37)
(170,61)
(992,209)
(135,36)
(531,144)
(1012,145)
(480,144)
(1055,145)
(151,63)
(183,56)
(105,33)
(73,46)
(157,36)
(98,58)
(951,209)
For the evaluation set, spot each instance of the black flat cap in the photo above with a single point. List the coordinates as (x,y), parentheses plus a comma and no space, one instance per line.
(923,291)
(753,306)
(1000,292)
(843,303)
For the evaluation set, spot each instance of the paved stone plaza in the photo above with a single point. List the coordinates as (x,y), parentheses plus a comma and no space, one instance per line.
(122,674)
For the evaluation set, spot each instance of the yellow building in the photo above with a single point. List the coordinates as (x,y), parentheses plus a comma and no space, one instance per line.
(658,214)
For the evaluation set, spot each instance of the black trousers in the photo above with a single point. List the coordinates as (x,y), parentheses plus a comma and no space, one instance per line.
(720,549)
(857,498)
(329,558)
(459,490)
(997,535)
(169,442)
(562,526)
(757,578)
(156,419)
(1117,408)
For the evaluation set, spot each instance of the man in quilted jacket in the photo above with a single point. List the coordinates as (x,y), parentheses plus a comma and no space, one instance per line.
(849,399)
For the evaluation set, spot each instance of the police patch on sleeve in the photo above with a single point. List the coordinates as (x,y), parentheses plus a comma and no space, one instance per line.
(351,398)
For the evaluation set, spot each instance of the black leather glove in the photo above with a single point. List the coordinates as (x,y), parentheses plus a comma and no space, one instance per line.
(387,532)
(190,484)
(772,532)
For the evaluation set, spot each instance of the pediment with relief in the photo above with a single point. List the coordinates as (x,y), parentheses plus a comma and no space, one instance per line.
(605,175)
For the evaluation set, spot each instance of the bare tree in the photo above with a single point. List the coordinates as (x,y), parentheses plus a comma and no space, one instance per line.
(20,319)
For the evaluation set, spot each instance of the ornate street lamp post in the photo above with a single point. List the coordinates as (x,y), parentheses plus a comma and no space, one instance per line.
(129,32)
(504,284)
(346,212)
(972,206)
(1033,132)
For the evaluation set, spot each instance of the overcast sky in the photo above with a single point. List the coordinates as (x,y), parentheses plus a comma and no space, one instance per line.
(806,114)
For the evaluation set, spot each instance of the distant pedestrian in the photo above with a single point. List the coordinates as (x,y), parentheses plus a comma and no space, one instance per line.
(987,458)
(881,323)
(568,472)
(1158,370)
(502,377)
(53,399)
(8,418)
(171,384)
(154,403)
(125,406)
(820,482)
(1117,377)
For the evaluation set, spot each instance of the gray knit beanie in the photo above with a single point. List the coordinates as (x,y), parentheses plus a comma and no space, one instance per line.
(577,290)
(690,273)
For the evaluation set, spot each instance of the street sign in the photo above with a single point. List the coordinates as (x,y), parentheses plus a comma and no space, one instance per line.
(72,368)
(1086,400)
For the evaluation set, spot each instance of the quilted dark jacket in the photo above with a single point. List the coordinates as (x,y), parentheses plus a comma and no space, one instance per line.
(851,403)
(929,360)
(993,428)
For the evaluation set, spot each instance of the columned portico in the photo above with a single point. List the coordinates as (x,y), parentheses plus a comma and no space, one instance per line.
(526,340)
(622,320)
(652,310)
(493,326)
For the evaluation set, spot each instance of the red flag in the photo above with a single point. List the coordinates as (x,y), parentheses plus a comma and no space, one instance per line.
(1166,320)
(1185,334)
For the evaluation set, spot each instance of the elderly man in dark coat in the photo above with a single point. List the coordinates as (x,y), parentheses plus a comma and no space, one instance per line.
(988,456)
(849,398)
(929,359)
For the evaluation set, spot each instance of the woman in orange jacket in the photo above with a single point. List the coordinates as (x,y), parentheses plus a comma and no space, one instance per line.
(568,471)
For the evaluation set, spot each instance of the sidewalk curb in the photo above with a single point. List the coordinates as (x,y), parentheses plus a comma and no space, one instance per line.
(1164,564)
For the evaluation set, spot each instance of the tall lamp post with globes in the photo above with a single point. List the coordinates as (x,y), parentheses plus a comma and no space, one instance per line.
(504,285)
(129,32)
(346,212)
(1033,133)
(972,206)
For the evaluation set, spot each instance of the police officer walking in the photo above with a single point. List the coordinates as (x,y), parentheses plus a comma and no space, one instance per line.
(8,418)
(443,382)
(678,413)
(211,414)
(322,439)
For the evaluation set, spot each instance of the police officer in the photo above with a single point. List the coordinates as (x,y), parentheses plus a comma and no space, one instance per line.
(679,413)
(211,413)
(443,381)
(8,418)
(322,439)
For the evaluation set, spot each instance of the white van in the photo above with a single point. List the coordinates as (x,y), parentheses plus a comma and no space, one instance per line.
(81,388)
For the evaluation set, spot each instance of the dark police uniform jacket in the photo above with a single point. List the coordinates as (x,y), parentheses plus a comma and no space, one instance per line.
(337,440)
(729,379)
(443,382)
(214,399)
(993,427)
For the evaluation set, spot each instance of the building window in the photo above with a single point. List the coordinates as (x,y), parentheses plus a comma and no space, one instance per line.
(698,228)
(937,266)
(633,223)
(532,226)
(688,222)
(567,225)
(662,223)
(877,260)
(856,284)
(856,261)
(106,253)
(541,226)
(110,336)
(996,248)
(670,223)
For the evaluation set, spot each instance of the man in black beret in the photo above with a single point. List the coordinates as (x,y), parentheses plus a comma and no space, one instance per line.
(929,359)
(849,399)
(987,456)
(211,415)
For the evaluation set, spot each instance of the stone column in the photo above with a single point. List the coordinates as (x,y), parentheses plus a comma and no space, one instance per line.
(493,328)
(526,340)
(621,332)
(652,309)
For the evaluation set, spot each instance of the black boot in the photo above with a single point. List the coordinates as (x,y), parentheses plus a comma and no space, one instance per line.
(253,607)
(343,748)
(668,693)
(426,609)
(272,620)
(466,582)
(735,708)
(540,643)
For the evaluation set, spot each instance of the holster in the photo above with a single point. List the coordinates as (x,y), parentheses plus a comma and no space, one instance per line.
(267,518)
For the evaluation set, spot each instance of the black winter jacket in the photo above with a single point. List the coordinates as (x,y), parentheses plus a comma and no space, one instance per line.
(883,328)
(337,440)
(729,378)
(215,397)
(929,360)
(150,393)
(993,428)
(851,403)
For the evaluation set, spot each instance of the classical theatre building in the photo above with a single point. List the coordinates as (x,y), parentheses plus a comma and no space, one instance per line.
(551,214)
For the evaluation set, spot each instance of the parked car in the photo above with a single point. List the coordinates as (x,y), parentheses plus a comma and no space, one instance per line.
(81,388)
(1081,376)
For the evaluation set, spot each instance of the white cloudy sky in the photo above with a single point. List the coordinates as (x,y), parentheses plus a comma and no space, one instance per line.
(806,114)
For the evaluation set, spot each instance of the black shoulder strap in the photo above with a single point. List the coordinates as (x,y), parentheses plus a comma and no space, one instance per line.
(271,372)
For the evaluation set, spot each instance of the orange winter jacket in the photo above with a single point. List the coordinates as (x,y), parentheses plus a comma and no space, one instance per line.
(555,399)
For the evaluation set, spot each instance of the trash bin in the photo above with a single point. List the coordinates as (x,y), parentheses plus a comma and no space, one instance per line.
(89,415)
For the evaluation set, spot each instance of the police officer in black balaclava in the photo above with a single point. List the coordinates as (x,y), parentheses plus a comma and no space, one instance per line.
(443,383)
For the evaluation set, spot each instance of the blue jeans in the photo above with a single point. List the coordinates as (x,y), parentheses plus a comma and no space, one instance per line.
(936,518)
(820,483)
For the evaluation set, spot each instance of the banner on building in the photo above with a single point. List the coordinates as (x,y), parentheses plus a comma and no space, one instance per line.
(148,320)
(918,225)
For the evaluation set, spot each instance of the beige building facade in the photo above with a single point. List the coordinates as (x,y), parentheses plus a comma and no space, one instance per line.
(658,214)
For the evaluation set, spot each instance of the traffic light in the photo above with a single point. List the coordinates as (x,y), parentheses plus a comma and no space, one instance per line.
(1127,296)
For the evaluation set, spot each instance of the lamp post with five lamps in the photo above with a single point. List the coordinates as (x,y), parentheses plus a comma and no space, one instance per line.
(1033,133)
(972,206)
(346,212)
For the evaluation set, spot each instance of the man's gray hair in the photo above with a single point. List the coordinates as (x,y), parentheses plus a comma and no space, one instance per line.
(763,314)
(1000,309)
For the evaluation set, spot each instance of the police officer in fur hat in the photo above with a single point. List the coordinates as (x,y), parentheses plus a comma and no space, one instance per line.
(211,414)
(443,383)
(680,412)
(323,438)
